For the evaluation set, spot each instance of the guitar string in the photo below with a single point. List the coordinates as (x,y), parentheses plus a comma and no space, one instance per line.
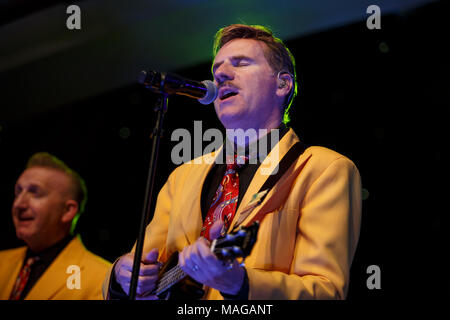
(167,284)
(168,278)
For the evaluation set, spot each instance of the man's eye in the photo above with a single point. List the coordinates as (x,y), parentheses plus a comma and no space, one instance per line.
(34,190)
(243,63)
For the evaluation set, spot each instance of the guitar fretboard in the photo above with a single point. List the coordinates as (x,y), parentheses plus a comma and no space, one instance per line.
(170,278)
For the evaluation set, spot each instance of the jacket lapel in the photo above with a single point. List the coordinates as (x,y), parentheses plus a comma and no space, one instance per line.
(249,207)
(55,277)
(194,211)
(10,270)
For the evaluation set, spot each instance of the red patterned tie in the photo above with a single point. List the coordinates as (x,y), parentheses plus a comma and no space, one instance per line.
(22,279)
(224,203)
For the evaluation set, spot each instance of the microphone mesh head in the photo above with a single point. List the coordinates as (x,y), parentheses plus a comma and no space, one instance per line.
(211,93)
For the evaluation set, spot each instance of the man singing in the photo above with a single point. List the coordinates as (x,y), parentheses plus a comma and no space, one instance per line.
(309,220)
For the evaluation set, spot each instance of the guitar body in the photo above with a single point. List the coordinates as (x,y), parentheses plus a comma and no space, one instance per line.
(185,289)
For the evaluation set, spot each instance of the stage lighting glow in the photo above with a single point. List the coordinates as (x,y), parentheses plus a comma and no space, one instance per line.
(384,48)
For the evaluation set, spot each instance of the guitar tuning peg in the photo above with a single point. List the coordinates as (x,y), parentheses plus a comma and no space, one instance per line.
(237,250)
(224,252)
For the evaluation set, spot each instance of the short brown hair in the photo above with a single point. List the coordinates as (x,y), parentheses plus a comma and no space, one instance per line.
(79,190)
(277,54)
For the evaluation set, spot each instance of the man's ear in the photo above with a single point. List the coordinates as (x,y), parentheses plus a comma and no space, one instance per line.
(285,84)
(70,210)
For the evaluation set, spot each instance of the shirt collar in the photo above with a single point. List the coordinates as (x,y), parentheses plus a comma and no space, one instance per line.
(49,254)
(253,151)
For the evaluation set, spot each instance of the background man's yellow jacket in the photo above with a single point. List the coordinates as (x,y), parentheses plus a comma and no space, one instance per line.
(307,238)
(52,285)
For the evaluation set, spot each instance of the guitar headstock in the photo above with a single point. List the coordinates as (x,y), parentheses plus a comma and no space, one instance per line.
(237,244)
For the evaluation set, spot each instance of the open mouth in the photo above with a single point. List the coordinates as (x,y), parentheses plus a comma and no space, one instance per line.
(227,93)
(24,218)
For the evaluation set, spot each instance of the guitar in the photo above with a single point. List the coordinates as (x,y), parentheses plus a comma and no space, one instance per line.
(174,284)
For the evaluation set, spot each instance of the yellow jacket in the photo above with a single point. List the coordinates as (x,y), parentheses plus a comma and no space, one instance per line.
(53,284)
(307,238)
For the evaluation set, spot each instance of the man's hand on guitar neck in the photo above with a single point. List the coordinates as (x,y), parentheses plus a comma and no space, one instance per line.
(201,264)
(148,274)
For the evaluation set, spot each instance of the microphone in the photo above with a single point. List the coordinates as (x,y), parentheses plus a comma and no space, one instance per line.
(161,82)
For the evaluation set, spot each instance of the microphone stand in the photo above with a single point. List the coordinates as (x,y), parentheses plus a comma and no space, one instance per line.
(161,108)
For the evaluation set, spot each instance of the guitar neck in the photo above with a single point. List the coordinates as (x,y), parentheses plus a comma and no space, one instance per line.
(170,278)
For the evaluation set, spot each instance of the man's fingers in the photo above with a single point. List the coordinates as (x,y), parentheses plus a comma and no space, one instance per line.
(150,257)
(148,273)
(148,266)
(125,262)
(214,232)
(148,269)
(192,261)
(123,274)
(204,252)
(185,258)
(146,284)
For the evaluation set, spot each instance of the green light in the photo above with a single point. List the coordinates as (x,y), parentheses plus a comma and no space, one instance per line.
(364,194)
(384,48)
(74,224)
(124,132)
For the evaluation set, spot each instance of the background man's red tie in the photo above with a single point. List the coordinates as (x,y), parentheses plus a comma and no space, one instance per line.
(22,279)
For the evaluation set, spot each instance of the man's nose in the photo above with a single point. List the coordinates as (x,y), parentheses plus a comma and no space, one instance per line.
(223,73)
(20,201)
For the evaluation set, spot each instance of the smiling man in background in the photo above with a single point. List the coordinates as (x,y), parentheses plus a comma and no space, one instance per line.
(49,197)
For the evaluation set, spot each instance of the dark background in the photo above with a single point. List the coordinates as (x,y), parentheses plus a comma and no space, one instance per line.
(377,96)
